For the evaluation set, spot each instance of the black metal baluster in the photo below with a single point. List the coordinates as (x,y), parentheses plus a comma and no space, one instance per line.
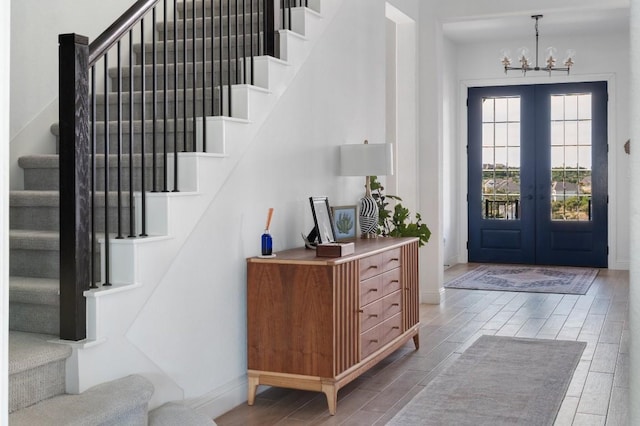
(237,43)
(154,165)
(175,90)
(213,57)
(290,14)
(221,62)
(94,243)
(229,81)
(107,248)
(244,41)
(143,151)
(251,37)
(194,69)
(119,148)
(166,106)
(204,77)
(184,75)
(132,231)
(268,29)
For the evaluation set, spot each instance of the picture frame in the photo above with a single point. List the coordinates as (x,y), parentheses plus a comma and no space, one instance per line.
(345,222)
(323,219)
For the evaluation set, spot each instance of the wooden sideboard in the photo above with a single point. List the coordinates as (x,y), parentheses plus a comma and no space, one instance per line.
(317,323)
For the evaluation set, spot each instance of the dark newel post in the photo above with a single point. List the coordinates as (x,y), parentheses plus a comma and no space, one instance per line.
(75,181)
(269,27)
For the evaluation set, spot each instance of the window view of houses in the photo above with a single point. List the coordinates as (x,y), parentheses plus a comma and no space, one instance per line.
(570,158)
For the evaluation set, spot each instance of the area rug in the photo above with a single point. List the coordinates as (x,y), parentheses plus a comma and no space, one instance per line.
(535,279)
(498,381)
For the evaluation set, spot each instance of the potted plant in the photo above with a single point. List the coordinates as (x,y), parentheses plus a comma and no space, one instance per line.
(397,222)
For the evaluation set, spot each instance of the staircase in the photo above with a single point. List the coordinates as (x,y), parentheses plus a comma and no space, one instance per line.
(38,359)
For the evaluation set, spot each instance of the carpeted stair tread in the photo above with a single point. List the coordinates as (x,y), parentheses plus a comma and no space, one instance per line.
(30,350)
(119,402)
(34,240)
(37,291)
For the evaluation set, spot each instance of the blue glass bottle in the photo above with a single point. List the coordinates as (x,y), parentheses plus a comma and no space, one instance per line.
(267,243)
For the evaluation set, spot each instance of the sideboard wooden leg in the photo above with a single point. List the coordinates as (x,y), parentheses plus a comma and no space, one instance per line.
(416,340)
(331,391)
(254,381)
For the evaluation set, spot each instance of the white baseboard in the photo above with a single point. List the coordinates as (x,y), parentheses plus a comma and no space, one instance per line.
(220,400)
(431,298)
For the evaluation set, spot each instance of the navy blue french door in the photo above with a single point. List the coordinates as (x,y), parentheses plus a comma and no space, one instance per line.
(537,174)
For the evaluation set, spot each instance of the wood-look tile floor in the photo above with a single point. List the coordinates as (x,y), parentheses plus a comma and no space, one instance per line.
(597,395)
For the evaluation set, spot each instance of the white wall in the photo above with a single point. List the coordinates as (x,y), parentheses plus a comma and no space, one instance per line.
(34,66)
(600,57)
(193,327)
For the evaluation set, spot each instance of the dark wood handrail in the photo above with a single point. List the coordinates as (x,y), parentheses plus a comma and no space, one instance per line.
(118,29)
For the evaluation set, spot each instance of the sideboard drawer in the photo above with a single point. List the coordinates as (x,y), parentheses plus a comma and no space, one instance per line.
(390,329)
(391,304)
(378,336)
(379,263)
(370,290)
(391,259)
(390,281)
(371,315)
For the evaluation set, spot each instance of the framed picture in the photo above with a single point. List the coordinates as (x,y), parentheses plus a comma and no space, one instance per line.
(322,219)
(345,220)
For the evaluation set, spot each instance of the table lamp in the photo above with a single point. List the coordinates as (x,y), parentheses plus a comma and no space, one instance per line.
(367,160)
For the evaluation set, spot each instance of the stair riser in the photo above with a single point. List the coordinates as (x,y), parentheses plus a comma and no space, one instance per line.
(47,179)
(137,105)
(244,50)
(31,386)
(41,263)
(231,5)
(236,71)
(246,25)
(34,263)
(32,318)
(48,218)
(137,139)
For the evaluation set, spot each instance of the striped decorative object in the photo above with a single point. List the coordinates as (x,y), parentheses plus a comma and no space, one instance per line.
(368,215)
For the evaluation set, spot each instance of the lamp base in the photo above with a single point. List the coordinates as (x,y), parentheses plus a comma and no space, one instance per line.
(368,217)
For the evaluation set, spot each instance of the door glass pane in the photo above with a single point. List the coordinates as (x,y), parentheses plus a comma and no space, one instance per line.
(571,157)
(501,158)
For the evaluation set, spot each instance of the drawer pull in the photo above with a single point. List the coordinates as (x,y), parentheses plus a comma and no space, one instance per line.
(373,341)
(395,281)
(360,311)
(395,327)
(373,267)
(373,289)
(395,304)
(395,259)
(373,315)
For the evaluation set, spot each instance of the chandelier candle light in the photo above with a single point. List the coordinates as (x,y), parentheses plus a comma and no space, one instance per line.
(525,61)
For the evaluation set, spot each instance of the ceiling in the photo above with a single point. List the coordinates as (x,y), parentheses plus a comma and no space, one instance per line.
(520,26)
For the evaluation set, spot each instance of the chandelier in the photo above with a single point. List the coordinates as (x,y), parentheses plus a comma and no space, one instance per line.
(525,61)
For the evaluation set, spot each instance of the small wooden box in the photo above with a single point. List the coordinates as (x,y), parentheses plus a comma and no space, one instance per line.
(335,249)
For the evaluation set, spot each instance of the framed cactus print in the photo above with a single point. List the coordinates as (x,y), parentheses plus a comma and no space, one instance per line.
(345,220)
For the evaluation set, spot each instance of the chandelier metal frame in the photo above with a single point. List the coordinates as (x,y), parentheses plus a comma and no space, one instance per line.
(525,64)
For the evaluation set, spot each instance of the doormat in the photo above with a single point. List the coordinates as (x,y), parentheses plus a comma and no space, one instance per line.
(525,278)
(498,381)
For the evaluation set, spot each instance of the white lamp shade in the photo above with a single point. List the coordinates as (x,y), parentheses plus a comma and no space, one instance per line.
(366,159)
